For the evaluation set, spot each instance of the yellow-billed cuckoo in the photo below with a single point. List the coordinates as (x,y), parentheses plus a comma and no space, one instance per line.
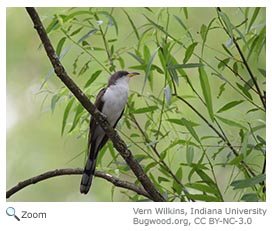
(111,101)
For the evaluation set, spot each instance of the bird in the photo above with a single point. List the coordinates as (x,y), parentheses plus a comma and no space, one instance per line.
(111,101)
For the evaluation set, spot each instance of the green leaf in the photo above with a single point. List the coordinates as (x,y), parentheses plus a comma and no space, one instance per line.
(148,68)
(253,18)
(262,71)
(189,154)
(204,81)
(227,50)
(237,160)
(250,197)
(229,105)
(227,22)
(145,109)
(222,64)
(240,184)
(188,125)
(54,101)
(176,186)
(245,91)
(66,114)
(84,68)
(149,166)
(261,140)
(231,122)
(76,31)
(111,20)
(162,179)
(204,33)
(90,33)
(185,11)
(204,197)
(93,78)
(202,188)
(78,114)
(244,144)
(221,90)
(179,122)
(183,66)
(59,46)
(140,60)
(189,52)
(184,27)
(205,178)
(133,25)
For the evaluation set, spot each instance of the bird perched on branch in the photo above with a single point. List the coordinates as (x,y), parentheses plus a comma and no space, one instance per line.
(111,101)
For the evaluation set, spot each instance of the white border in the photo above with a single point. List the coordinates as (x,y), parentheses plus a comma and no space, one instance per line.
(71,216)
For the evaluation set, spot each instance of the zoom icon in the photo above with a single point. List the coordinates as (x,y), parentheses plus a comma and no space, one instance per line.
(11,212)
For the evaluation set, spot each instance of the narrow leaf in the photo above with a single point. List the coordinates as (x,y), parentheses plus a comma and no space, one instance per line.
(250,197)
(184,27)
(90,33)
(66,114)
(244,91)
(187,65)
(227,22)
(204,197)
(176,186)
(148,68)
(189,154)
(179,122)
(93,78)
(145,109)
(204,81)
(190,128)
(221,90)
(231,122)
(229,105)
(253,18)
(133,25)
(202,188)
(59,46)
(239,184)
(189,52)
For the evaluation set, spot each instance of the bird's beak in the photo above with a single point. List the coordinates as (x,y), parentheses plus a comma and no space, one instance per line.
(131,74)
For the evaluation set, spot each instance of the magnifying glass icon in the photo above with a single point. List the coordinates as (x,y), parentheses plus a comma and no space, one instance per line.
(11,212)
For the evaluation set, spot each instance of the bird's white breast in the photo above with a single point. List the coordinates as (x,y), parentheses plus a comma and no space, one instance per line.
(115,99)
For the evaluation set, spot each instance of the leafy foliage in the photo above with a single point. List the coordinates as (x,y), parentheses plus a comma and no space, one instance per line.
(197,138)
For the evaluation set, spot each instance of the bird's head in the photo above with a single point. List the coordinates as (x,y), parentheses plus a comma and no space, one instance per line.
(121,75)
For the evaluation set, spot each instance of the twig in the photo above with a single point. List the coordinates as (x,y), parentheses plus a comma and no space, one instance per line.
(242,163)
(105,43)
(161,162)
(77,171)
(237,74)
(118,143)
(262,97)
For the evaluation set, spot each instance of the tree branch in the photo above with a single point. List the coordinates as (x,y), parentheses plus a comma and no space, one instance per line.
(77,171)
(118,143)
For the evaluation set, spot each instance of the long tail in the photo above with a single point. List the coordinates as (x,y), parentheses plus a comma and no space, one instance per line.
(87,177)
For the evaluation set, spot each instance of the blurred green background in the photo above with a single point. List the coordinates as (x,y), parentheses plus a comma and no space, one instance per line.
(34,141)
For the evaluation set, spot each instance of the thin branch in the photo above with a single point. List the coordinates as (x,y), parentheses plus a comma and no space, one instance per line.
(77,171)
(262,97)
(106,45)
(161,162)
(227,142)
(118,143)
(237,74)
